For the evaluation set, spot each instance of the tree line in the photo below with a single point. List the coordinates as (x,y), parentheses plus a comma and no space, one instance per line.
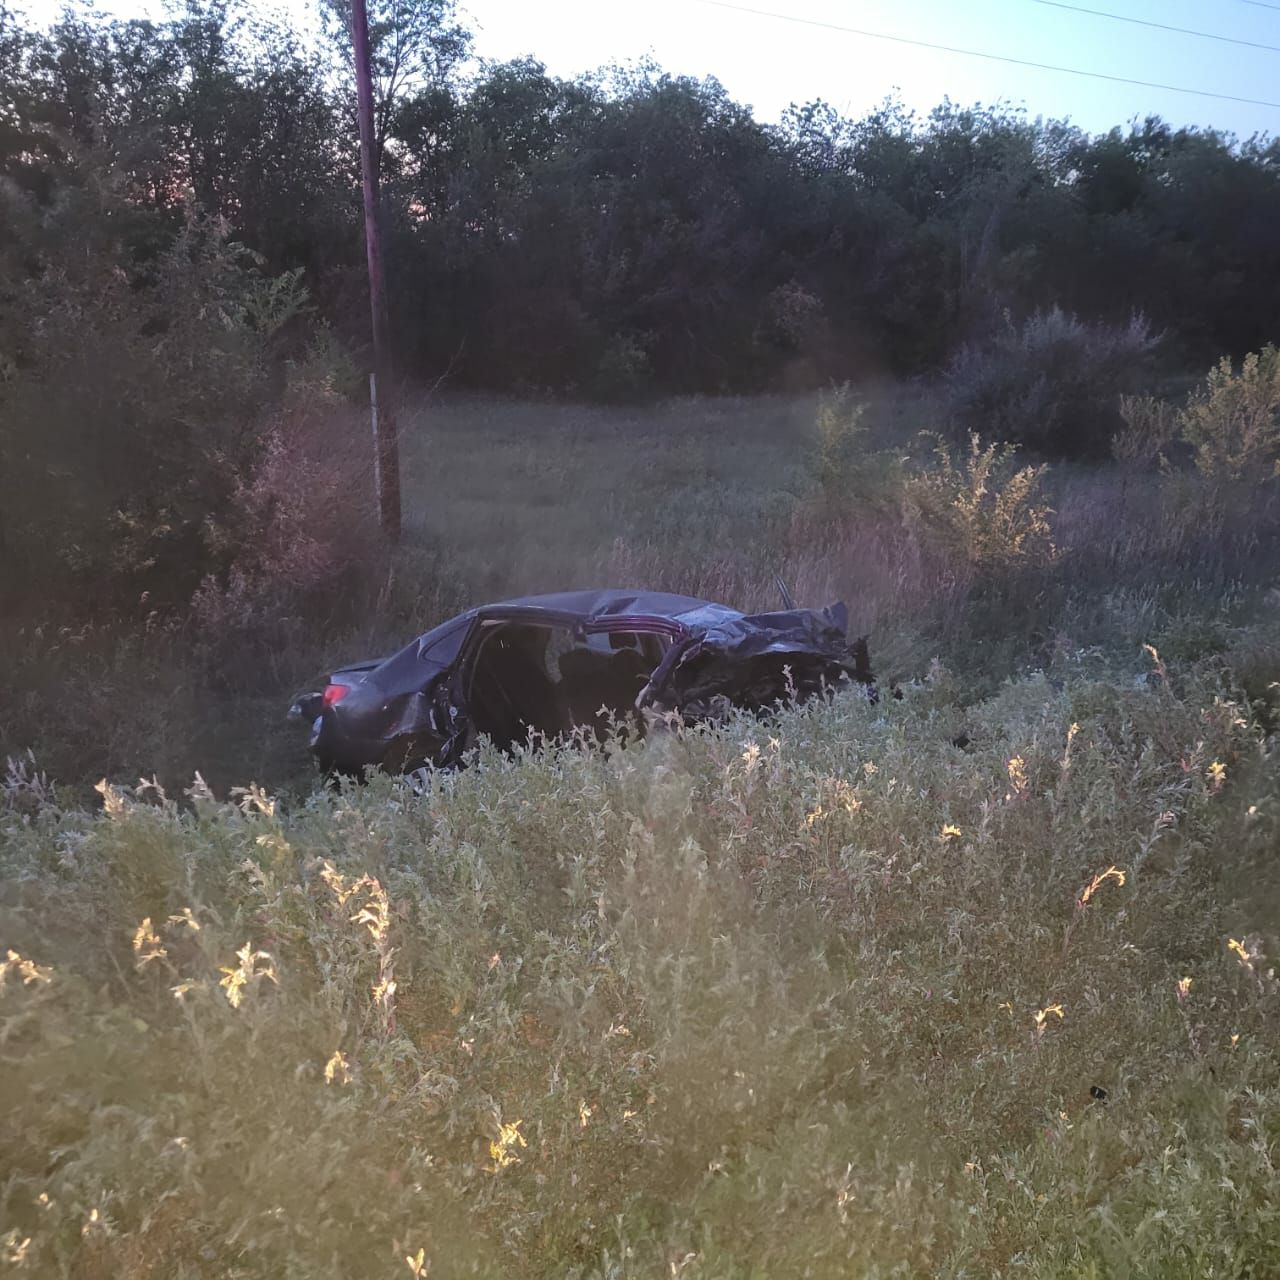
(627,231)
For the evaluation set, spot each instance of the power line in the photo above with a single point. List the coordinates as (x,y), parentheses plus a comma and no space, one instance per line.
(992,57)
(1163,26)
(1261,4)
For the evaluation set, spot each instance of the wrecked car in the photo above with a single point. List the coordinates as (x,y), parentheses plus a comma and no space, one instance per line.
(546,666)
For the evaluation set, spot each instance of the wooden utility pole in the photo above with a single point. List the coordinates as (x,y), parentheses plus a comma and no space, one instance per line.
(386,446)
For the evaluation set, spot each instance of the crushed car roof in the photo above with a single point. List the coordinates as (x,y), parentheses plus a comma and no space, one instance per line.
(615,603)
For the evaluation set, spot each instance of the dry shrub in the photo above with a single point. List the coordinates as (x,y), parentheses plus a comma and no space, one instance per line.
(1150,427)
(976,513)
(852,477)
(1233,422)
(24,786)
(908,545)
(1230,429)
(899,589)
(982,507)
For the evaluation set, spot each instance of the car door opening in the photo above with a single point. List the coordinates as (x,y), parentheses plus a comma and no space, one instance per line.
(531,679)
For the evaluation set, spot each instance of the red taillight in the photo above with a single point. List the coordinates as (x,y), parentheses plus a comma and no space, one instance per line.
(335,693)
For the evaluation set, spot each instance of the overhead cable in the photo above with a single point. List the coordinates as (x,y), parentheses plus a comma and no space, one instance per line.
(1159,26)
(990,57)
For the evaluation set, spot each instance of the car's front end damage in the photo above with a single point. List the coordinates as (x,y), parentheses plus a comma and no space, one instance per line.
(753,662)
(543,667)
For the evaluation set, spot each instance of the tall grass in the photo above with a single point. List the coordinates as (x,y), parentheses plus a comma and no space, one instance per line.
(822,994)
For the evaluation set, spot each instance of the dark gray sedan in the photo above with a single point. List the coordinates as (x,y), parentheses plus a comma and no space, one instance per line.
(540,667)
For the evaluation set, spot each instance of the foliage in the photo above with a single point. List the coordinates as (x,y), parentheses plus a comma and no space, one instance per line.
(1150,426)
(135,381)
(297,542)
(298,532)
(824,992)
(1228,429)
(986,511)
(841,439)
(1051,384)
(540,229)
(711,497)
(623,371)
(821,993)
(415,47)
(853,478)
(1233,422)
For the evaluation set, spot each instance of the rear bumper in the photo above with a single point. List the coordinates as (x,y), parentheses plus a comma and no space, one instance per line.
(337,752)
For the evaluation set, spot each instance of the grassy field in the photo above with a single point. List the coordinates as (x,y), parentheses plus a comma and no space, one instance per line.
(977,981)
(501,498)
(525,498)
(710,497)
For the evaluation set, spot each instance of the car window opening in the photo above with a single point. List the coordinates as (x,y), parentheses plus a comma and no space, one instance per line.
(545,680)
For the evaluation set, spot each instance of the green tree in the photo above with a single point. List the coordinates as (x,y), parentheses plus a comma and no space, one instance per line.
(416,48)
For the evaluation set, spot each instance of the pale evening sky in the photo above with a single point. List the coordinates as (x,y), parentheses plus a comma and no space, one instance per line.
(769,62)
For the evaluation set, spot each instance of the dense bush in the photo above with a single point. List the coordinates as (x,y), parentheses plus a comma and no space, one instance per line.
(972,514)
(296,543)
(1051,384)
(1219,448)
(986,512)
(1150,427)
(136,386)
(623,372)
(855,480)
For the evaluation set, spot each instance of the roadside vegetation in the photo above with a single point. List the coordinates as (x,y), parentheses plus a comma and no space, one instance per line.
(943,544)
(816,995)
(185,532)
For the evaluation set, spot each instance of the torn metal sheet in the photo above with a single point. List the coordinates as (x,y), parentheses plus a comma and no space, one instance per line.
(541,667)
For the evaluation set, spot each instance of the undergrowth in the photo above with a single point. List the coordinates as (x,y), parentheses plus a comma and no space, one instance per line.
(980,555)
(824,994)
